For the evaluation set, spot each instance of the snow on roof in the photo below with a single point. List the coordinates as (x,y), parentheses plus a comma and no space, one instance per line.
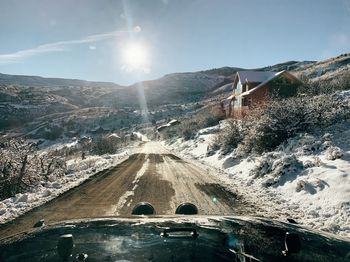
(254,76)
(162,127)
(173,122)
(170,123)
(114,135)
(230,97)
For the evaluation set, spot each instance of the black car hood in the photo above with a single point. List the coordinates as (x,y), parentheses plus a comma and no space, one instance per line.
(180,238)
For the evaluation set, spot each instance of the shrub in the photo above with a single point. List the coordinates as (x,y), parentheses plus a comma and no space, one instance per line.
(229,137)
(104,145)
(268,126)
(320,87)
(188,128)
(334,153)
(22,168)
(275,167)
(53,134)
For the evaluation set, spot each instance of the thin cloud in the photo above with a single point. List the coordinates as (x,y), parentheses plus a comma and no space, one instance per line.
(60,46)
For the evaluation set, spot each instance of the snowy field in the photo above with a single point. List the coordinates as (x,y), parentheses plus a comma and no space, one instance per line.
(306,179)
(78,171)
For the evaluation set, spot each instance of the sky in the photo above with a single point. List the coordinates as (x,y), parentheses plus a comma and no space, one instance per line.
(124,41)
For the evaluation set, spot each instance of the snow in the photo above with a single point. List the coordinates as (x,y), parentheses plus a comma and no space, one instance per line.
(306,179)
(114,135)
(170,123)
(78,171)
(140,136)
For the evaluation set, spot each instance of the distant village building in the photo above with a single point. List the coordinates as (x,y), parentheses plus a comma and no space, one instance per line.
(99,130)
(85,140)
(256,87)
(173,122)
(114,138)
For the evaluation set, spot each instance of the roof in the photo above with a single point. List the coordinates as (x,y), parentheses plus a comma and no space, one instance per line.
(275,75)
(230,97)
(254,76)
(172,122)
(114,135)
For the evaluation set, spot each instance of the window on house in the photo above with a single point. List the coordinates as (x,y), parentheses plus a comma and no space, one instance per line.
(244,102)
(249,101)
(244,88)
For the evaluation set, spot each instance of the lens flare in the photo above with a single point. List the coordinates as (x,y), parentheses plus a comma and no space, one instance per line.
(135,57)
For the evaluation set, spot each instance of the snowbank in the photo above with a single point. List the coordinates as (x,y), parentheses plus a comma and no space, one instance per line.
(78,171)
(306,179)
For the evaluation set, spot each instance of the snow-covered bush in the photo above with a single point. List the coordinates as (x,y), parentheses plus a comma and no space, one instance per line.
(229,137)
(319,87)
(263,166)
(315,162)
(22,168)
(268,126)
(274,166)
(334,153)
(105,145)
(302,185)
(288,164)
(310,186)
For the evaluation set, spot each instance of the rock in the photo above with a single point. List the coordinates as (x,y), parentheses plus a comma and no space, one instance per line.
(51,178)
(46,193)
(40,223)
(292,221)
(56,185)
(23,198)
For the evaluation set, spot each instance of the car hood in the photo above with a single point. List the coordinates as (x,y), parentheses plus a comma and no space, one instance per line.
(175,238)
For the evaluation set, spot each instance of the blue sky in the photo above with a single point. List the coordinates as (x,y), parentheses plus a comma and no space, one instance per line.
(91,40)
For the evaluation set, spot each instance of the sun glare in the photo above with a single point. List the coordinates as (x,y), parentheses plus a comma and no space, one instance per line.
(135,57)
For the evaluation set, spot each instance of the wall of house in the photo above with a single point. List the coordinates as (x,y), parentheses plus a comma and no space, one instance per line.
(237,102)
(259,96)
(252,85)
(240,112)
(238,89)
(283,87)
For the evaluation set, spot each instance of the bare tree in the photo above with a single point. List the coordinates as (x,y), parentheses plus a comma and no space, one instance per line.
(22,168)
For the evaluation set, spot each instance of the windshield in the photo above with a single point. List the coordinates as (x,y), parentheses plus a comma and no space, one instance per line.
(169,108)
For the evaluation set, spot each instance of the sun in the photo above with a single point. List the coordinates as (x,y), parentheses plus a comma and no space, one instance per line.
(135,56)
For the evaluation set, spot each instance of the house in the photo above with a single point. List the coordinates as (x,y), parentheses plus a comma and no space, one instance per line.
(256,87)
(173,122)
(99,130)
(85,140)
(114,138)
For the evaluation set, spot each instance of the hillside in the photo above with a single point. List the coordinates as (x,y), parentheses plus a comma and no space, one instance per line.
(38,81)
(25,98)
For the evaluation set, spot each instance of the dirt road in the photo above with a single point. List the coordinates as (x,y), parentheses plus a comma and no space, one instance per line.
(152,174)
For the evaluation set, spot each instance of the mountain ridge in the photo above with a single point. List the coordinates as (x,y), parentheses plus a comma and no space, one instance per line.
(23,98)
(40,81)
